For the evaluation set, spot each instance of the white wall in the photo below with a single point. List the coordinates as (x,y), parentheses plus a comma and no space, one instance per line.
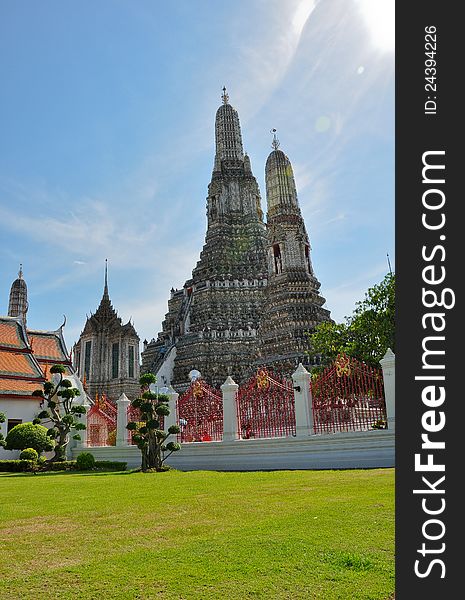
(354,450)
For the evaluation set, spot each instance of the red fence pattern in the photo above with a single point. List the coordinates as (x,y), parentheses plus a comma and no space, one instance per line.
(265,406)
(200,413)
(348,396)
(101,423)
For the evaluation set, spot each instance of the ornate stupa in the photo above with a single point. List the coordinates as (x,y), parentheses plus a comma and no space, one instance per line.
(293,305)
(227,318)
(18,305)
(212,321)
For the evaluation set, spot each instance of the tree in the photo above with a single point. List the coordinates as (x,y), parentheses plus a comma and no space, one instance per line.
(150,439)
(367,334)
(29,435)
(60,411)
(2,439)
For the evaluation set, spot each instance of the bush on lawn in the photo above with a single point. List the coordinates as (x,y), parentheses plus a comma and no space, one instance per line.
(28,435)
(29,454)
(17,466)
(85,461)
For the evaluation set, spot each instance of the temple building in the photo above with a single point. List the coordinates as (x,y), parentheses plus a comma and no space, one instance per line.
(106,356)
(214,322)
(26,356)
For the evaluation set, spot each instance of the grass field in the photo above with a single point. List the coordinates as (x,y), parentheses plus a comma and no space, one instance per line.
(285,534)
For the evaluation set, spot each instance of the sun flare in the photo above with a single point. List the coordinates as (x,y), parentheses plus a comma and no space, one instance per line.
(379,17)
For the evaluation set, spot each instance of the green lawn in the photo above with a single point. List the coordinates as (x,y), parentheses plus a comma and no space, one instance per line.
(175,535)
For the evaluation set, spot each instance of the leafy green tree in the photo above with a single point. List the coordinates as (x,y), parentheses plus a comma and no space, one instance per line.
(2,439)
(367,334)
(150,439)
(60,411)
(29,435)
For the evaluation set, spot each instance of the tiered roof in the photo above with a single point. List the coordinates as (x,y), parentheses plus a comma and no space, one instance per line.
(49,349)
(20,372)
(26,357)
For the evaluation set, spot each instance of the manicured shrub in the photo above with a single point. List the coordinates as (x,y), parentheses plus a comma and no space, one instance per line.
(29,454)
(28,435)
(17,466)
(85,461)
(63,465)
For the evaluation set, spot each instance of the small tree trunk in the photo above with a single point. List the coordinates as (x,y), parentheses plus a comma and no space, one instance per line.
(60,448)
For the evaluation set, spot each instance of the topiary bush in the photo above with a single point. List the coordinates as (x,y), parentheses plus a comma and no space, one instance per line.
(28,435)
(85,461)
(17,466)
(29,454)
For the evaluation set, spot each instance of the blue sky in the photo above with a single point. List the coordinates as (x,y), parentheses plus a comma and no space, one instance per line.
(107,142)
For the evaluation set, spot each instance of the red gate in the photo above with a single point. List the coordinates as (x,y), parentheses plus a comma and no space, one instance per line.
(348,396)
(265,407)
(101,422)
(200,413)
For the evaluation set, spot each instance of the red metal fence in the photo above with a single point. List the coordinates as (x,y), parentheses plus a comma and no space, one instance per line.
(265,406)
(101,423)
(348,396)
(200,413)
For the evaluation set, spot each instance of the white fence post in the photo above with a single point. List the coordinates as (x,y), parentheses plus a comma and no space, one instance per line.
(388,364)
(230,420)
(122,420)
(303,402)
(171,418)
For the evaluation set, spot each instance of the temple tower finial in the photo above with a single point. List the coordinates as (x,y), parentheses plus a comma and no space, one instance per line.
(105,288)
(225,96)
(275,142)
(20,273)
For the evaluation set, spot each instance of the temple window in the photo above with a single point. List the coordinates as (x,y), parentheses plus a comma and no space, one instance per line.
(131,361)
(278,267)
(307,258)
(87,354)
(12,423)
(115,360)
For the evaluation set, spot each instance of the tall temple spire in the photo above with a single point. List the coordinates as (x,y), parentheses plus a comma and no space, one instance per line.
(281,192)
(212,321)
(228,133)
(18,304)
(293,305)
(105,289)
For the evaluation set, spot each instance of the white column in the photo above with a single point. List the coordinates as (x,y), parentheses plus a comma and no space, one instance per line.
(303,402)
(388,364)
(230,421)
(122,420)
(171,418)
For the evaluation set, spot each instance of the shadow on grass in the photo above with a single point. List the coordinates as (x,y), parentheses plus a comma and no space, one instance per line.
(52,473)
